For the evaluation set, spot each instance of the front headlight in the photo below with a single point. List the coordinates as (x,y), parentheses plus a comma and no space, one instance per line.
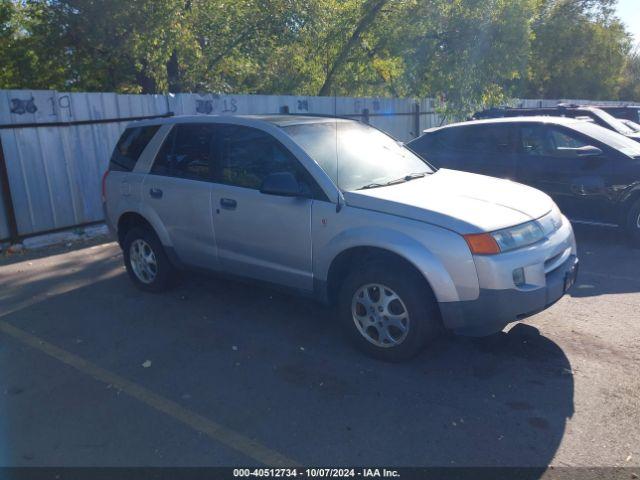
(518,236)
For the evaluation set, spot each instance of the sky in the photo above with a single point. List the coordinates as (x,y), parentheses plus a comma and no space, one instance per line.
(629,13)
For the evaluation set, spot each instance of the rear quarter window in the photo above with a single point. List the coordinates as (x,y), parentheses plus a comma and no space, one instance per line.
(130,146)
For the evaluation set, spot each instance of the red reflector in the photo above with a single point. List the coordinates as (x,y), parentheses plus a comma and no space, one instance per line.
(104,186)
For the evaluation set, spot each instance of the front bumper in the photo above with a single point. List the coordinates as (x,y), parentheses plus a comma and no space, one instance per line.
(550,268)
(494,309)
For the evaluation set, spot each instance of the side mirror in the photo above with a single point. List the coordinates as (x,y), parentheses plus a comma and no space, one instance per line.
(588,151)
(283,184)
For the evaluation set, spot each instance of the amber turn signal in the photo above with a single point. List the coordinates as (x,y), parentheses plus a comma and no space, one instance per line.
(482,244)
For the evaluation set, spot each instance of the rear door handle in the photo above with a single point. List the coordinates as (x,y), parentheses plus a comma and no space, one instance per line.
(155,192)
(228,203)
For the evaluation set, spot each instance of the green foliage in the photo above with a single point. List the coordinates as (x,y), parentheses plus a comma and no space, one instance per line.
(631,76)
(469,53)
(579,51)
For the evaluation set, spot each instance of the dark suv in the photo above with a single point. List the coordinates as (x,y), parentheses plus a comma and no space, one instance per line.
(592,173)
(598,115)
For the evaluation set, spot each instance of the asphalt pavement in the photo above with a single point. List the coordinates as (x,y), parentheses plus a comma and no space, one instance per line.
(216,372)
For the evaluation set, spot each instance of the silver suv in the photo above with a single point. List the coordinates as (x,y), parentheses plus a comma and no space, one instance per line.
(339,210)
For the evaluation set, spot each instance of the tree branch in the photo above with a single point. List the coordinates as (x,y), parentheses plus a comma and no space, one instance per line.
(371,10)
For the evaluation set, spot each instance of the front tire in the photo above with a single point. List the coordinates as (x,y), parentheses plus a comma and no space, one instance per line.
(633,224)
(388,312)
(146,261)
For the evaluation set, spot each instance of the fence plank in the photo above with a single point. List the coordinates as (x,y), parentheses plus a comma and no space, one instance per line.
(54,171)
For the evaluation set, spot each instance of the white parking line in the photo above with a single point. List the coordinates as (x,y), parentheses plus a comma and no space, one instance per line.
(197,422)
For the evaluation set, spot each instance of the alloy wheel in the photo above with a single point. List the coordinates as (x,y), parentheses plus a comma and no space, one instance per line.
(143,261)
(380,315)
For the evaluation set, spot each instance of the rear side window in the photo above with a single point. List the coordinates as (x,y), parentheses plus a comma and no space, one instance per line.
(130,146)
(487,139)
(187,153)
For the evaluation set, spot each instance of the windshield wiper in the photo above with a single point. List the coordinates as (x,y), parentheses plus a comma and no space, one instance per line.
(406,178)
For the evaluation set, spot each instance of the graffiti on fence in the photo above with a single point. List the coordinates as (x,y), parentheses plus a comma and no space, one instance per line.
(20,106)
(225,105)
(63,103)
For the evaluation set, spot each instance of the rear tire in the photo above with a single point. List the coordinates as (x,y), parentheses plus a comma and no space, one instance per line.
(388,312)
(633,224)
(146,261)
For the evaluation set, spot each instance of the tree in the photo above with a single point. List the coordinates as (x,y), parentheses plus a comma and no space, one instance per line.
(470,53)
(478,53)
(579,51)
(630,88)
(27,60)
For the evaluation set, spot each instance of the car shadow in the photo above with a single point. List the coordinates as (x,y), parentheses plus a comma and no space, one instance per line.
(277,368)
(608,262)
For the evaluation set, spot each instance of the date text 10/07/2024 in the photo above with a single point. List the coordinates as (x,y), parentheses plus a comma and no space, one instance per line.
(316,472)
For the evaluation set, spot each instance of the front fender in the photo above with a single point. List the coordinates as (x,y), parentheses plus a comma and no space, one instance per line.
(393,241)
(631,192)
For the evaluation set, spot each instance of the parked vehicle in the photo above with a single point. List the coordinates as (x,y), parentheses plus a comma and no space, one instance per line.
(592,173)
(631,124)
(598,115)
(627,112)
(337,209)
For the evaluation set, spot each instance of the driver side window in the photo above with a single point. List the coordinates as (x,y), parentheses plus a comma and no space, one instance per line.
(564,144)
(534,141)
(539,140)
(248,155)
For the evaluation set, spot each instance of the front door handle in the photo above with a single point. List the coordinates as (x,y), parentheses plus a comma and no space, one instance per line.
(228,203)
(155,193)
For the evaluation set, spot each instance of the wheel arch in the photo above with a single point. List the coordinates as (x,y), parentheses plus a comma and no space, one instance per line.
(130,219)
(631,197)
(353,256)
(364,244)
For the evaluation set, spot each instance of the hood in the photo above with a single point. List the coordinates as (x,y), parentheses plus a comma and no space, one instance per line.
(460,201)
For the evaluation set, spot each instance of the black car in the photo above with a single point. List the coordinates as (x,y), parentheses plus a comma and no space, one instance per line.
(597,115)
(592,173)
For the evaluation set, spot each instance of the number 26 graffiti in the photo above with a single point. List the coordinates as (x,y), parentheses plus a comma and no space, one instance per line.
(20,106)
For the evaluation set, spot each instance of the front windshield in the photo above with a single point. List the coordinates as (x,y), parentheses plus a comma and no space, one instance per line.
(627,146)
(355,155)
(616,124)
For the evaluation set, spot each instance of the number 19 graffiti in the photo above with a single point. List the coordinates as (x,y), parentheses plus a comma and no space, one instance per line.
(20,106)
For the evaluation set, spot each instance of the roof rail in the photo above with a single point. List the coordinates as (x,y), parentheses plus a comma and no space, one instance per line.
(346,116)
